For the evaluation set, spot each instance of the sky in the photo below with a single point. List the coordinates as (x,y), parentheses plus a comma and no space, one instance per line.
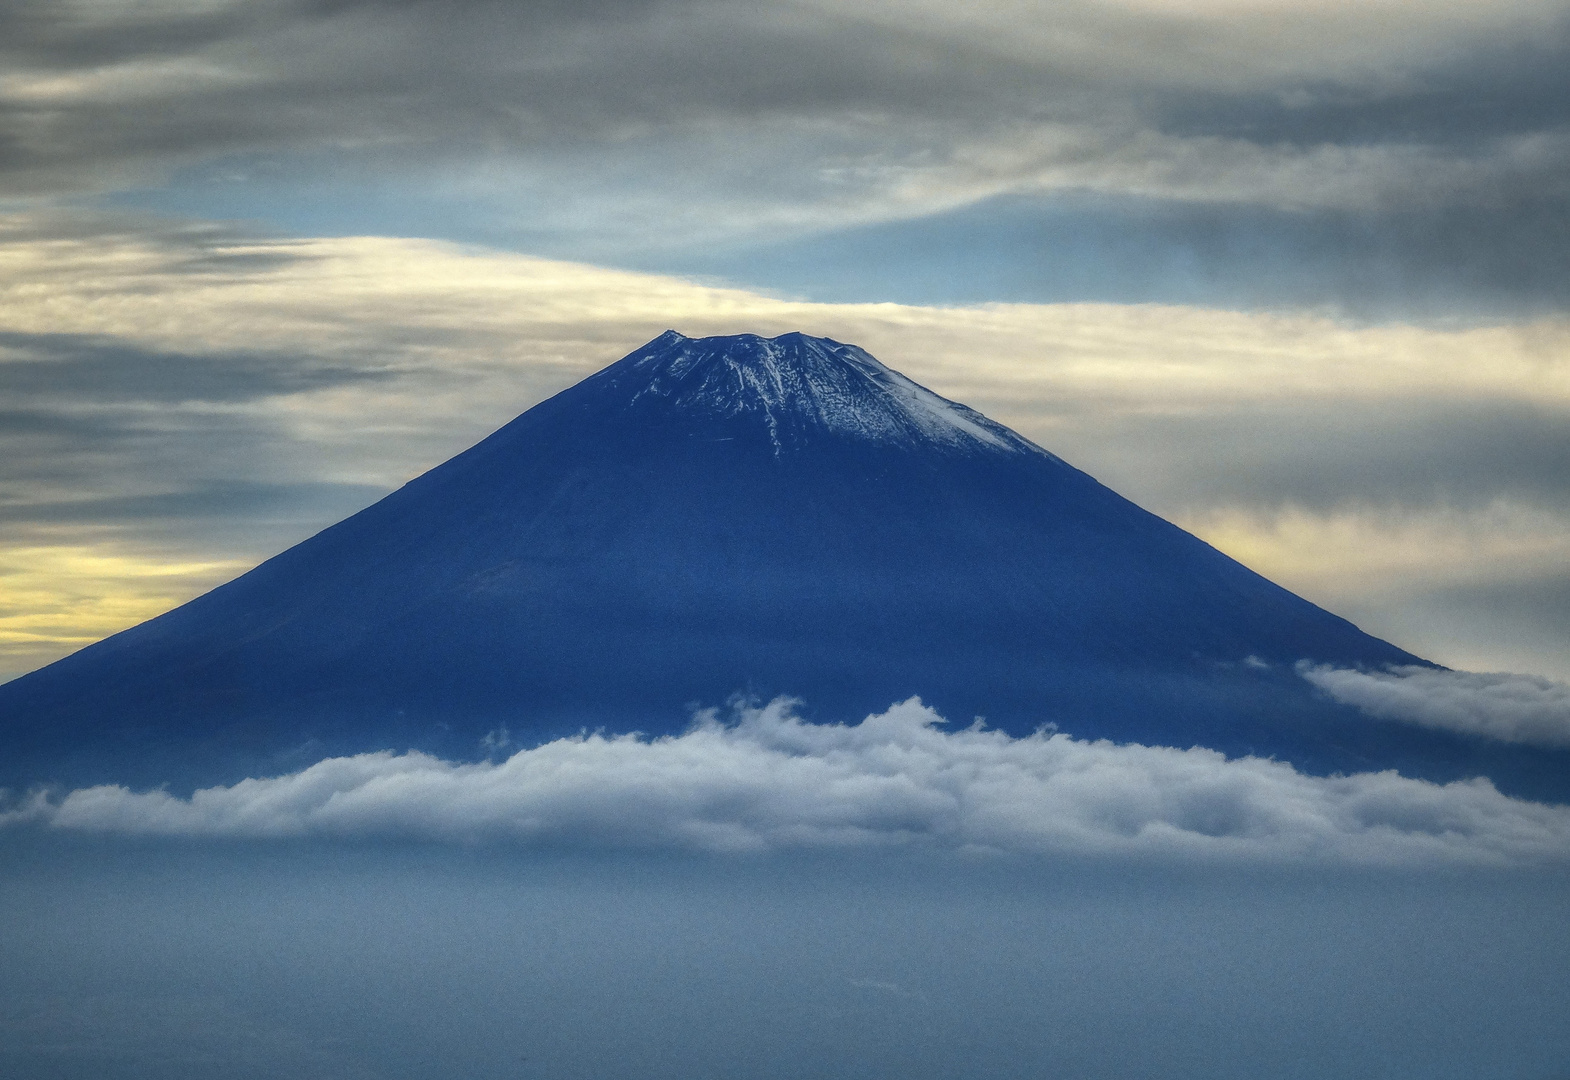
(1290,274)
(1294,274)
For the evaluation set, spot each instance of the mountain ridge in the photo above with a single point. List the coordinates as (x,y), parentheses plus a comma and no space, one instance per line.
(815,381)
(667,532)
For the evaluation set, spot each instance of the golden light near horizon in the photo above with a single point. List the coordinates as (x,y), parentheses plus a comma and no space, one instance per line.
(62,597)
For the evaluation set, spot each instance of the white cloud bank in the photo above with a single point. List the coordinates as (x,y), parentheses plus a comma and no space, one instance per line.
(1512,708)
(769,780)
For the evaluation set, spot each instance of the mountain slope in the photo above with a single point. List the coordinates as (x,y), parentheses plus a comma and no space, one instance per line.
(706,517)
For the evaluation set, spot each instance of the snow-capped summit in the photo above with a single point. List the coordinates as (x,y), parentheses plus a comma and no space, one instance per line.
(800,387)
(716,516)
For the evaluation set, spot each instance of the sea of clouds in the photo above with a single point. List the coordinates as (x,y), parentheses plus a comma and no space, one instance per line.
(762,779)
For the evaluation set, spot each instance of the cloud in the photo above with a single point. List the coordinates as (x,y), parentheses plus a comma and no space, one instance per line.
(769,781)
(1478,587)
(77,368)
(1412,261)
(623,126)
(1495,705)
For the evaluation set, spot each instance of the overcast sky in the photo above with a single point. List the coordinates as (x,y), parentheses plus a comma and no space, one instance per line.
(1291,274)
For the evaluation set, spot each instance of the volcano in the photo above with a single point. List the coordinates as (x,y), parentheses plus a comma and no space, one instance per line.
(711,517)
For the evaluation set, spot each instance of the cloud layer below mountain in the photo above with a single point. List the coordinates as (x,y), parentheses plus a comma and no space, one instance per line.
(1495,705)
(767,780)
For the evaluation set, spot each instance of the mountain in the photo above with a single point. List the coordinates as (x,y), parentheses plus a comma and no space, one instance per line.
(709,517)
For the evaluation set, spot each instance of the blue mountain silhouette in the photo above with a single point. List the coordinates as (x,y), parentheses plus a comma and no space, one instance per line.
(715,516)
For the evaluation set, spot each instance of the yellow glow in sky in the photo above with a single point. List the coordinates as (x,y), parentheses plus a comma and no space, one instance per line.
(58,599)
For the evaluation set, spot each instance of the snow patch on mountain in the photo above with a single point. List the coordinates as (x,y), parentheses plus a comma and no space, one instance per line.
(800,385)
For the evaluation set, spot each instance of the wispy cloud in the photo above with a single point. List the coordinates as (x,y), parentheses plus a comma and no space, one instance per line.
(1494,705)
(768,780)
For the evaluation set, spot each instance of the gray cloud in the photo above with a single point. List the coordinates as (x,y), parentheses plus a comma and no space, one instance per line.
(103,438)
(1523,614)
(1438,264)
(477,77)
(235,501)
(1512,708)
(771,781)
(614,129)
(1321,456)
(82,369)
(1473,97)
